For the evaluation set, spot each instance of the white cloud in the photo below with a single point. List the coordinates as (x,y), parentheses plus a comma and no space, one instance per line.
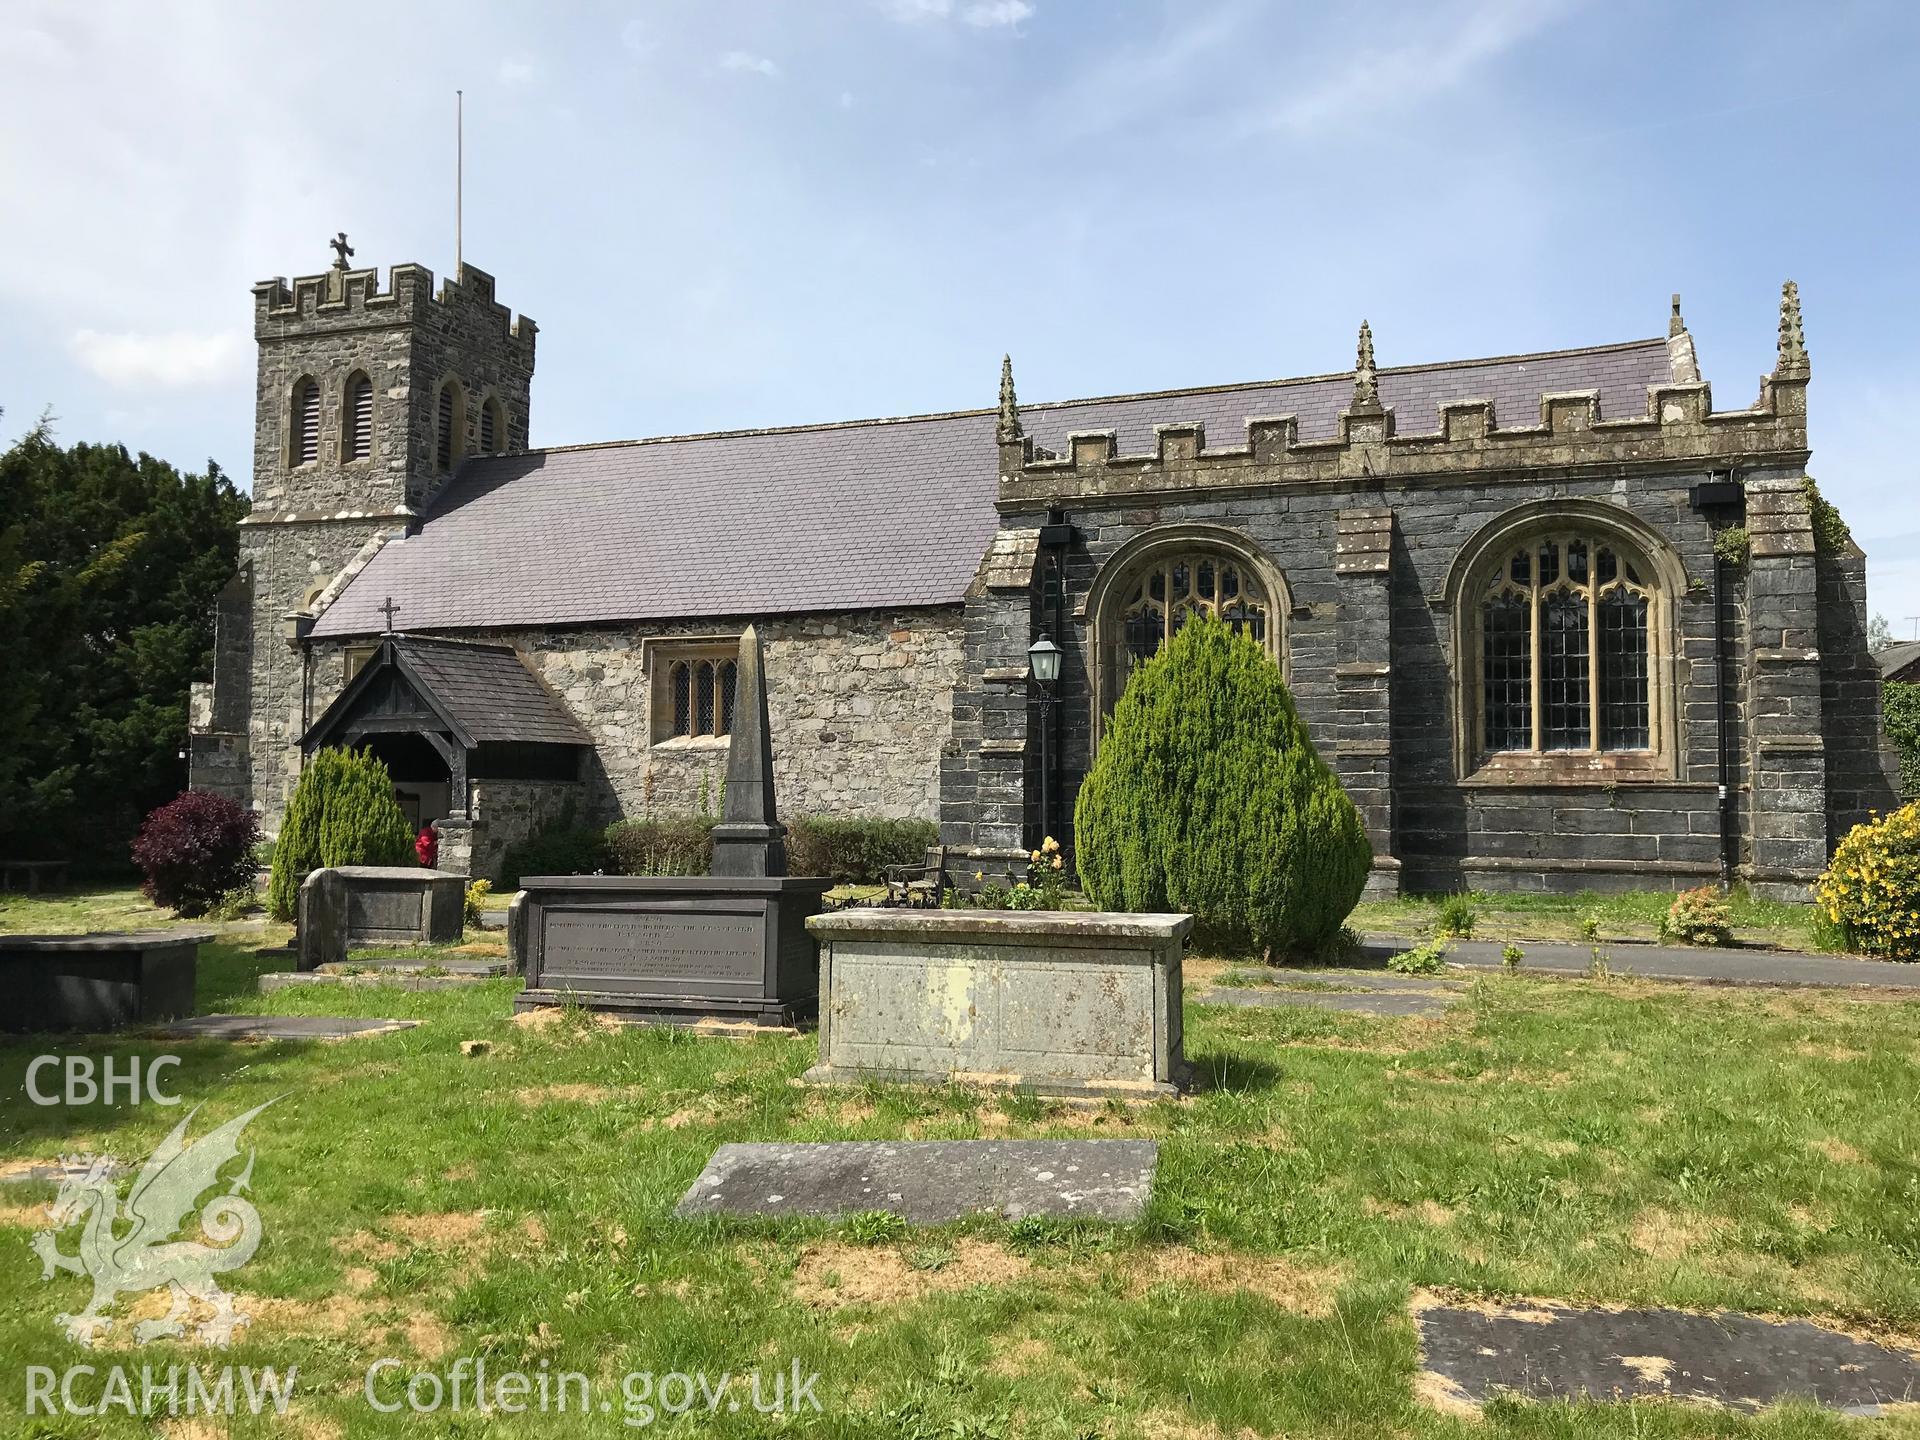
(741,61)
(912,12)
(517,72)
(1440,56)
(992,14)
(178,359)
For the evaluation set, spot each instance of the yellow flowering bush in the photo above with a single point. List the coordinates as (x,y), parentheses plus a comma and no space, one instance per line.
(1871,891)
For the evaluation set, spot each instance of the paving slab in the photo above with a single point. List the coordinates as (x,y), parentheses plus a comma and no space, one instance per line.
(1674,962)
(22,1172)
(1546,1351)
(471,967)
(394,980)
(1393,1005)
(276,1027)
(928,1182)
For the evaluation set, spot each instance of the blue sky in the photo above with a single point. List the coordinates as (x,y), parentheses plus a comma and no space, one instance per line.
(748,212)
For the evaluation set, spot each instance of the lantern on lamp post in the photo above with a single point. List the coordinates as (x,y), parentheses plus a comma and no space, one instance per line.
(1043,661)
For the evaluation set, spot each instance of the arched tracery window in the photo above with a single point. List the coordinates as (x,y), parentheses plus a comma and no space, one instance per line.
(1566,646)
(1179,575)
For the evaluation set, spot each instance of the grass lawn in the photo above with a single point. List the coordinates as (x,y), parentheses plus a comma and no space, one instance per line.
(1632,916)
(1606,1141)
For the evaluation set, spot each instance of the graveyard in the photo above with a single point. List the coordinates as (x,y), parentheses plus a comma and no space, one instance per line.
(1537,1141)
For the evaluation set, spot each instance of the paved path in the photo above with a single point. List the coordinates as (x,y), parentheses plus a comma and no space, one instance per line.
(1670,962)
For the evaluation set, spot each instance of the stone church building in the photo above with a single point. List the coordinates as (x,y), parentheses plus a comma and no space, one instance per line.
(1555,620)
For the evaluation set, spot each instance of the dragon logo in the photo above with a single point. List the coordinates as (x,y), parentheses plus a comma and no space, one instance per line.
(133,1251)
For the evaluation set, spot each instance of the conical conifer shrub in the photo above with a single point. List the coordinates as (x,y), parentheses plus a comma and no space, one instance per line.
(342,812)
(1208,797)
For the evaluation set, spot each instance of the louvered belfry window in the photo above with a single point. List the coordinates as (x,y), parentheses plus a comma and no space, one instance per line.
(488,426)
(359,418)
(443,430)
(305,447)
(1565,662)
(700,697)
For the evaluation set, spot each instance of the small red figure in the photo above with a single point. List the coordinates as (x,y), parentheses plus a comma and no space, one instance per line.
(426,846)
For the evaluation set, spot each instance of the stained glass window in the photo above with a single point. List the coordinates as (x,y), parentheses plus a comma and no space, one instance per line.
(1565,649)
(699,698)
(1162,598)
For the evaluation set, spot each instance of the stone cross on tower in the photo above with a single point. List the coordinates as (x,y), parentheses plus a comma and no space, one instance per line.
(389,610)
(341,250)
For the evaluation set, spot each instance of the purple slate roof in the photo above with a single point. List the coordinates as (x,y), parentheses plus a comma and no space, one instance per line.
(876,514)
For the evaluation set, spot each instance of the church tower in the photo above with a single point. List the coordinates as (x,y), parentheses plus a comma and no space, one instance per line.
(367,401)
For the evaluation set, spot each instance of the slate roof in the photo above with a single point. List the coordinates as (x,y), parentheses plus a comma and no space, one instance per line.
(876,514)
(1895,660)
(486,690)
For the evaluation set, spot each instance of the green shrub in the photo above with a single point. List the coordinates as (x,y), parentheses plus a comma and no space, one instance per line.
(1512,956)
(1698,917)
(342,813)
(856,851)
(1208,797)
(1427,959)
(477,892)
(682,845)
(564,849)
(1871,891)
(1456,917)
(1902,707)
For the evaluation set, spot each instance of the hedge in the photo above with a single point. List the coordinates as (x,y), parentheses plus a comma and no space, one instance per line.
(1208,797)
(1902,706)
(846,851)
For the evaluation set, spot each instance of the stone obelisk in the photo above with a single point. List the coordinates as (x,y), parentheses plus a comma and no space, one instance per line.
(749,840)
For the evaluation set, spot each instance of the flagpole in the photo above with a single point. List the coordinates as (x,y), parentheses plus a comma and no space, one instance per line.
(459,174)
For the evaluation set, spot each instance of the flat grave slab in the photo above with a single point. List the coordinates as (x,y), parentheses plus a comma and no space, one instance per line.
(928,1182)
(473,967)
(1547,1352)
(24,1172)
(277,1027)
(394,980)
(1396,1004)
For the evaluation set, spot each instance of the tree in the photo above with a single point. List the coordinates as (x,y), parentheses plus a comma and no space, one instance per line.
(341,813)
(109,566)
(1207,796)
(1879,633)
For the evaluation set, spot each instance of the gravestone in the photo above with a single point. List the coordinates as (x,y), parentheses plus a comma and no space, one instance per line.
(98,982)
(1061,1002)
(928,1182)
(355,906)
(732,945)
(1546,1350)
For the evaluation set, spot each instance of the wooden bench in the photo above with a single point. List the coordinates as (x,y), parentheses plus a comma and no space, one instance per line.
(918,887)
(54,871)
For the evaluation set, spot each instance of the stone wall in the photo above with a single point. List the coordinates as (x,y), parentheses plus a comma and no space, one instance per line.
(506,812)
(860,705)
(1367,542)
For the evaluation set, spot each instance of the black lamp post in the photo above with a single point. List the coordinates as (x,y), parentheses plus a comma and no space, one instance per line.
(1043,657)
